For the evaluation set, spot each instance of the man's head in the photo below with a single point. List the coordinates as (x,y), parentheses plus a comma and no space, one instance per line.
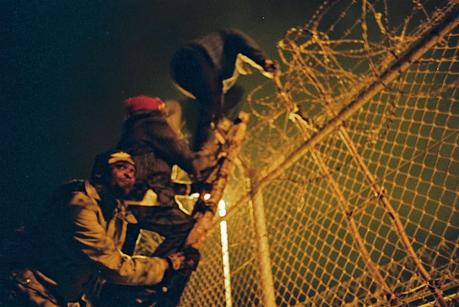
(116,170)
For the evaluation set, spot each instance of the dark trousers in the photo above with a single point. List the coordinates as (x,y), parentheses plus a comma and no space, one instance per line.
(168,221)
(171,223)
(192,70)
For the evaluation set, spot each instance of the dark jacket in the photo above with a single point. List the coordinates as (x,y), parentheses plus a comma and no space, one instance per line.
(208,67)
(222,47)
(155,147)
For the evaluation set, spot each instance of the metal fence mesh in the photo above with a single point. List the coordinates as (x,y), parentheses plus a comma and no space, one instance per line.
(338,181)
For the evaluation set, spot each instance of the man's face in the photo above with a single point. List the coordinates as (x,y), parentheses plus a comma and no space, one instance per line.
(123,177)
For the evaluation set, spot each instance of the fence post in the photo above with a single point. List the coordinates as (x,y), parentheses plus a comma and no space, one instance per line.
(263,255)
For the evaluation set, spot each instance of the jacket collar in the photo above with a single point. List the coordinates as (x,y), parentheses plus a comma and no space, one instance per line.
(91,191)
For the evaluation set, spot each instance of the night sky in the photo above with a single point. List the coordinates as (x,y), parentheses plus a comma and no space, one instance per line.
(67,65)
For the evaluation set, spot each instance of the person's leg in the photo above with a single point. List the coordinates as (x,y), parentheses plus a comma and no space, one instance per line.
(168,221)
(170,290)
(194,72)
(23,287)
(171,293)
(210,96)
(174,225)
(119,295)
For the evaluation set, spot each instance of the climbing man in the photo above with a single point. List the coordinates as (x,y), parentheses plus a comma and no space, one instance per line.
(207,67)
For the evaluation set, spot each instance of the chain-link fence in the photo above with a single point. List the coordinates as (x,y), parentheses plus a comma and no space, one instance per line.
(354,159)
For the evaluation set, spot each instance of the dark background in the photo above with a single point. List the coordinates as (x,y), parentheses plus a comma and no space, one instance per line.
(67,65)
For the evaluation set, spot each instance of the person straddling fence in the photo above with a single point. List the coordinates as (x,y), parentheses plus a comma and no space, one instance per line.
(207,67)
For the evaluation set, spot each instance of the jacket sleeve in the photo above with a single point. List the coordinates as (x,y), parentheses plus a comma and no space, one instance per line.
(245,45)
(169,146)
(100,248)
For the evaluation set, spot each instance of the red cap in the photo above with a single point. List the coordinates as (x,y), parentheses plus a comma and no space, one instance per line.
(143,103)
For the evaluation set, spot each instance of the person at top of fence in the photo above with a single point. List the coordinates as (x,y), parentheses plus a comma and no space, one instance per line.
(77,243)
(207,67)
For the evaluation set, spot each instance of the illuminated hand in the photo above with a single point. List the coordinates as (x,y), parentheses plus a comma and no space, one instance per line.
(270,66)
(175,261)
